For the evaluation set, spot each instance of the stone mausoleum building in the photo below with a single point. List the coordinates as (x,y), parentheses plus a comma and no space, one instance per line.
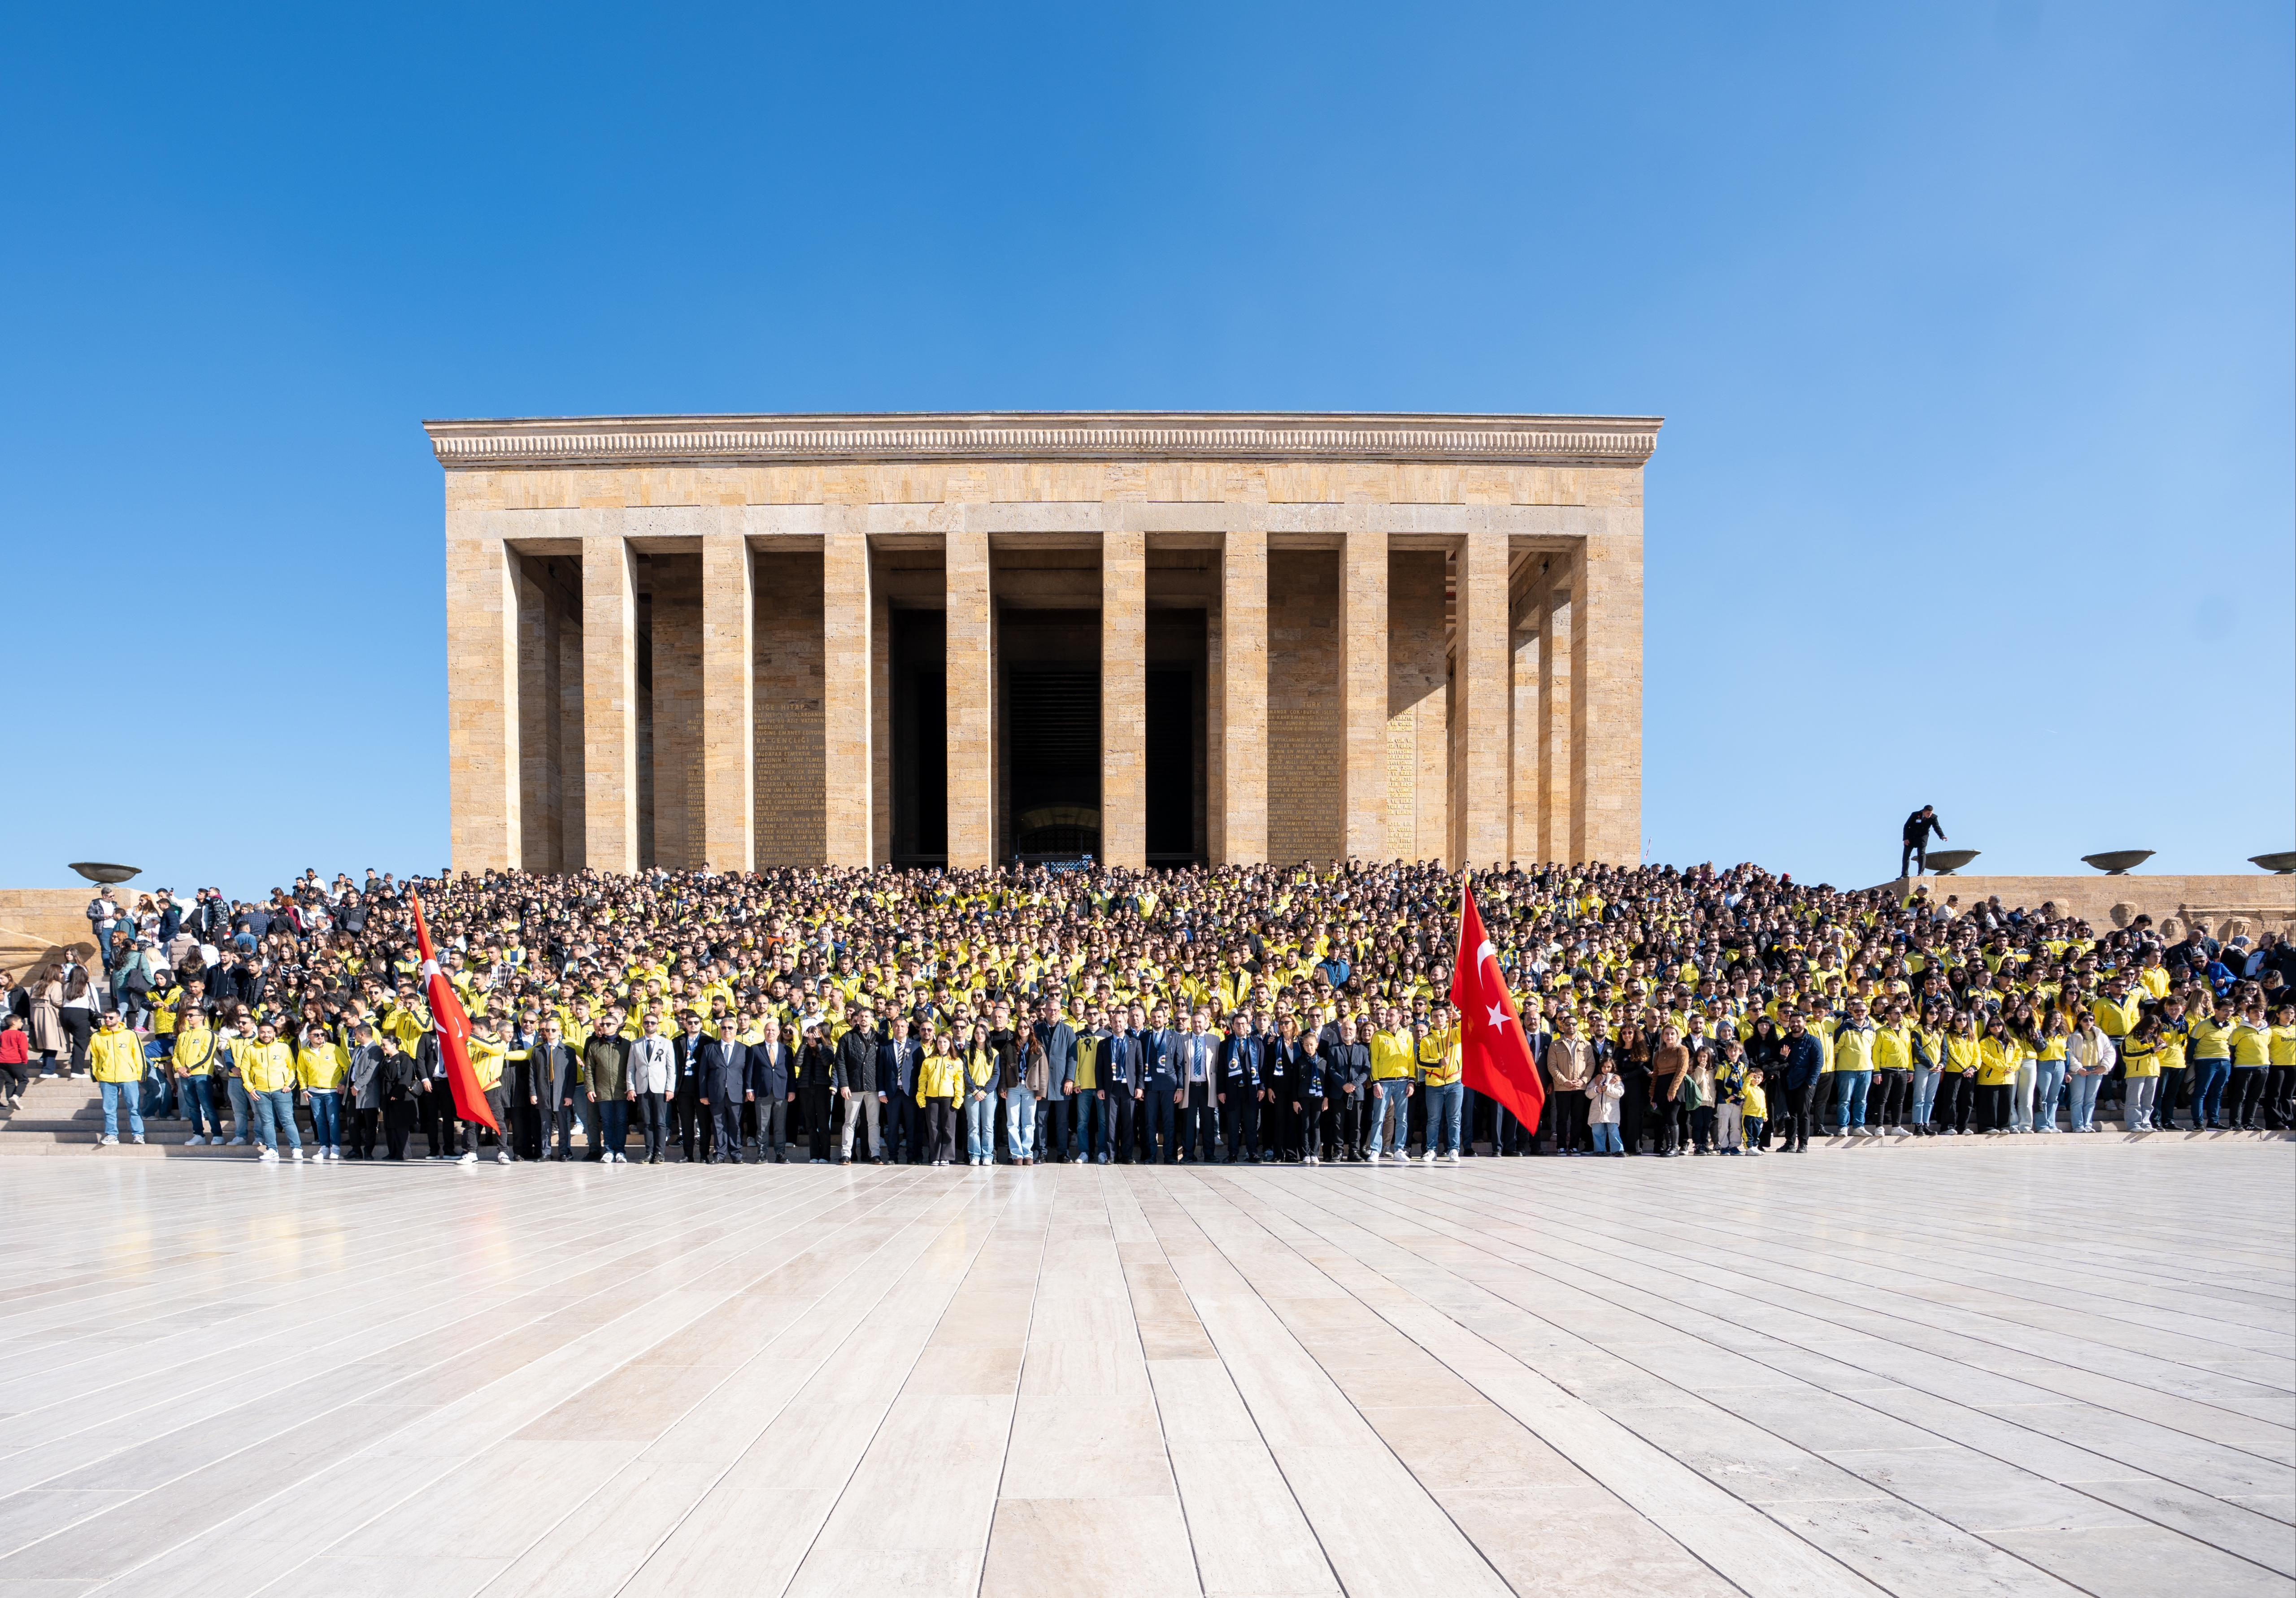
(1159,638)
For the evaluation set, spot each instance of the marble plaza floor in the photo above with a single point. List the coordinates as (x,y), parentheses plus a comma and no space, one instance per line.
(1957,1372)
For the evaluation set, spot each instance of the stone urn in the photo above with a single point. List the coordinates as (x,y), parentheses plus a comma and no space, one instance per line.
(2284,862)
(2117,863)
(99,870)
(1945,862)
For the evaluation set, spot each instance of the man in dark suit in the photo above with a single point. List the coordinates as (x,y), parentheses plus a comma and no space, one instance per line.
(686,1110)
(1058,1038)
(722,1068)
(1161,1104)
(557,1074)
(768,1083)
(899,1055)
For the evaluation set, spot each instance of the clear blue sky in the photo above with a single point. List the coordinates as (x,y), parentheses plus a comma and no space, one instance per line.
(1971,326)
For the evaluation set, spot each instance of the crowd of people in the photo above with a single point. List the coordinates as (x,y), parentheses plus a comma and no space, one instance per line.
(1237,1013)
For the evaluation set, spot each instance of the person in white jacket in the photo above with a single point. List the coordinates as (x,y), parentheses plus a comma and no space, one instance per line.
(1603,1095)
(653,1077)
(2089,1056)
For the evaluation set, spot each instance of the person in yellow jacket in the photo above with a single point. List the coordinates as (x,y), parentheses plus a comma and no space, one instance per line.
(979,1095)
(1441,1060)
(488,1053)
(1997,1057)
(191,1062)
(266,1069)
(2280,1086)
(940,1084)
(115,1059)
(2251,1057)
(1394,1057)
(320,1066)
(2140,1072)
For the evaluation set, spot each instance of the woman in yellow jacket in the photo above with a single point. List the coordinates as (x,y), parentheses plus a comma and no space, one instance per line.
(2140,1073)
(1957,1063)
(319,1069)
(189,1063)
(940,1083)
(1998,1056)
(2251,1057)
(115,1057)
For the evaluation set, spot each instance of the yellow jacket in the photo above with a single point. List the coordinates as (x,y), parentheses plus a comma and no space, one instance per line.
(1440,1060)
(194,1050)
(1391,1056)
(115,1054)
(266,1067)
(1997,1061)
(940,1077)
(487,1059)
(319,1069)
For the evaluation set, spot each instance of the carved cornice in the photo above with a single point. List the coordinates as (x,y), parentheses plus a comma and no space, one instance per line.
(1043,436)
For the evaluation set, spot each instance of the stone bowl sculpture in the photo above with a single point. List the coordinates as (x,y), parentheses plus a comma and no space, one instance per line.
(2282,862)
(1945,862)
(2116,862)
(104,872)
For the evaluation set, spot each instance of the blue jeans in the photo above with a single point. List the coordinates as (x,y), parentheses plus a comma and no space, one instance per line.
(1853,1087)
(980,1127)
(1925,1086)
(1444,1109)
(1606,1138)
(275,1114)
(2081,1101)
(2209,1079)
(242,1110)
(118,1095)
(1391,1101)
(2048,1082)
(1020,1121)
(613,1123)
(1091,1124)
(326,1119)
(198,1104)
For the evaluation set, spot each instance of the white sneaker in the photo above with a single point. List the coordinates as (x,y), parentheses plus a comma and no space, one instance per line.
(109,1141)
(1372,1158)
(1451,1159)
(297,1155)
(194,1140)
(502,1156)
(468,1159)
(1429,1156)
(137,1138)
(269,1157)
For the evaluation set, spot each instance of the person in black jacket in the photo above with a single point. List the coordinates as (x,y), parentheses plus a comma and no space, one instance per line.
(856,1086)
(401,1081)
(722,1065)
(686,1112)
(1347,1087)
(899,1055)
(816,1070)
(1805,1057)
(557,1066)
(768,1064)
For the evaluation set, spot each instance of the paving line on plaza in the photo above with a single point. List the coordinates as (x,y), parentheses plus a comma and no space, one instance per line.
(536,1274)
(1230,1340)
(1765,1513)
(1127,1187)
(1596,1279)
(535,1389)
(631,1270)
(1715,1245)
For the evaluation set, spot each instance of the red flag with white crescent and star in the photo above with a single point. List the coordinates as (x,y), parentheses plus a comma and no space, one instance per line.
(454,1030)
(1494,1055)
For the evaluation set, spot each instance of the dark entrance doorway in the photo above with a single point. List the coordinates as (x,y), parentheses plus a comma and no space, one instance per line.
(1170,745)
(919,738)
(1054,738)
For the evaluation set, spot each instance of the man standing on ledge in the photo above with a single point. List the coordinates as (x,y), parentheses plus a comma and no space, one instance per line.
(1919,825)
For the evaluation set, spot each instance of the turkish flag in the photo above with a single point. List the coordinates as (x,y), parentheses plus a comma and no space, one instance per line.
(1494,1055)
(454,1030)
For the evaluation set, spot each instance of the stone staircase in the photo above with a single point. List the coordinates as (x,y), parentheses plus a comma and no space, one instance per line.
(65,1116)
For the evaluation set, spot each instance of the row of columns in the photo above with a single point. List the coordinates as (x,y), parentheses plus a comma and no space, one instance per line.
(1546,730)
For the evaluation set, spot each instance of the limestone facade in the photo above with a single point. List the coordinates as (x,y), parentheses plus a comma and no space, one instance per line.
(675,641)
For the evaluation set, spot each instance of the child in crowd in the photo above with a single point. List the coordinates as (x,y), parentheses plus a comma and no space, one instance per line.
(1754,1108)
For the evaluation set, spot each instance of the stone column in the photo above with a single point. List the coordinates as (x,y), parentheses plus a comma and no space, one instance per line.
(1483,689)
(486,831)
(728,705)
(610,700)
(1606,796)
(848,724)
(1363,694)
(1123,689)
(1242,795)
(1557,772)
(971,704)
(1522,737)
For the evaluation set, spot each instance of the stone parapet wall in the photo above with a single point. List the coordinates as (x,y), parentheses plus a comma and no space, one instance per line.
(2227,906)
